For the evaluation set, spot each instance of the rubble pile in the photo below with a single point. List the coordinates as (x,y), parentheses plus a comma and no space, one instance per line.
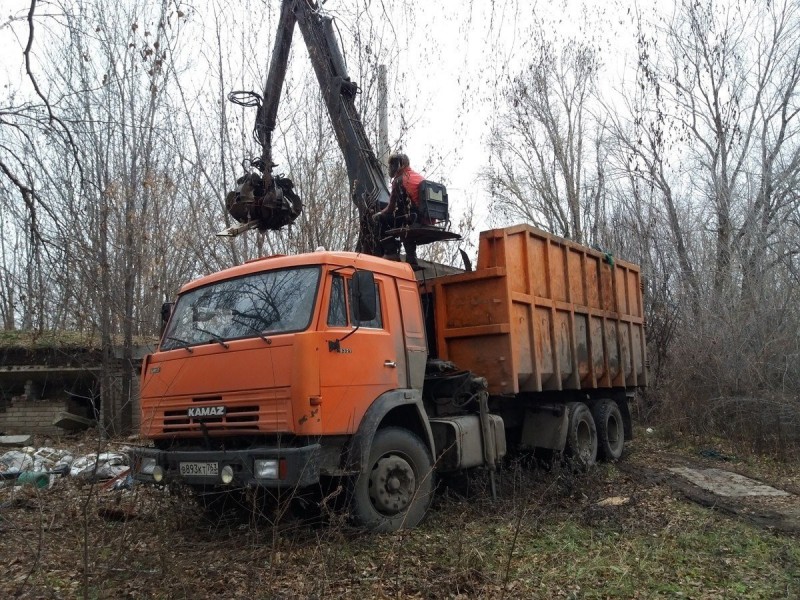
(43,466)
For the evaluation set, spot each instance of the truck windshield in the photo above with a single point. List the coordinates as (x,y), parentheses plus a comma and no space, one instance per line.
(265,303)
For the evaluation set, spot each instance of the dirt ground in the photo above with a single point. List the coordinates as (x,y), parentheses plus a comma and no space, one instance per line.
(633,529)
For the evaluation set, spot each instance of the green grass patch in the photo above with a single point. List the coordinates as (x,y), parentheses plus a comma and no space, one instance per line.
(695,553)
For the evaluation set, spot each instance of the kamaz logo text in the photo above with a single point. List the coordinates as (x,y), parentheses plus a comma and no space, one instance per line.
(206,411)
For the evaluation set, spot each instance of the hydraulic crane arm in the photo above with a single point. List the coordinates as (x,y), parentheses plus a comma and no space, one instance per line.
(368,183)
(268,110)
(263,201)
(267,202)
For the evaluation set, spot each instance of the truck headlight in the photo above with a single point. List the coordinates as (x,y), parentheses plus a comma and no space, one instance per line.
(147,465)
(266,468)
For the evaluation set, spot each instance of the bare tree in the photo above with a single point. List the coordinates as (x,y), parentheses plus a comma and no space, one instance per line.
(725,94)
(547,146)
(708,148)
(109,80)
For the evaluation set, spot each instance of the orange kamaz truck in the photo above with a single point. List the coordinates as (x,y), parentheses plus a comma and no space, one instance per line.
(290,370)
(295,372)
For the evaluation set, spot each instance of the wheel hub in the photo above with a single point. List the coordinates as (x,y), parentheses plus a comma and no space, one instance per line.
(391,485)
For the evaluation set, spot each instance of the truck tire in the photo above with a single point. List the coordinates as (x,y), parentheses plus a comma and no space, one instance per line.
(581,450)
(610,429)
(395,489)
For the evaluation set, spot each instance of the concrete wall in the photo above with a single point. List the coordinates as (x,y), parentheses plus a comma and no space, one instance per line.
(32,413)
(23,416)
(32,395)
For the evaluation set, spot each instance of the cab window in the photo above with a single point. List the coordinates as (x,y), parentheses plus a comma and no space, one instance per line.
(337,310)
(340,309)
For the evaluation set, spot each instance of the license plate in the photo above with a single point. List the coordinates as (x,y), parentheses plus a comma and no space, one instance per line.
(199,468)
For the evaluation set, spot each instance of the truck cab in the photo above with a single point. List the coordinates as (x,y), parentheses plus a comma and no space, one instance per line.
(280,371)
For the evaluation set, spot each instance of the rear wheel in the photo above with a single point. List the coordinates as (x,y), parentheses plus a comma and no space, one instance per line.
(610,429)
(581,447)
(395,489)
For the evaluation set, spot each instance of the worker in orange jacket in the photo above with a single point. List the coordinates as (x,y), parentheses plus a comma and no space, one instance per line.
(403,208)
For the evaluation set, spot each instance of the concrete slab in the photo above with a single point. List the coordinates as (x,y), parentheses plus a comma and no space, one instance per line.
(15,440)
(72,422)
(725,483)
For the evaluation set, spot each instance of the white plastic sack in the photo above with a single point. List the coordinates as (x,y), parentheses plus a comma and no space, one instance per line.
(45,459)
(64,461)
(15,462)
(82,465)
(109,465)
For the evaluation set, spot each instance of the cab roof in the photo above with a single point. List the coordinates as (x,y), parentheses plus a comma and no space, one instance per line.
(355,260)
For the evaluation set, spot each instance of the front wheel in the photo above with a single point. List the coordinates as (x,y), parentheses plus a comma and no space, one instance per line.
(395,489)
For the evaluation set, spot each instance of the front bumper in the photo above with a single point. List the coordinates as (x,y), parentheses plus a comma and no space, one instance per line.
(299,467)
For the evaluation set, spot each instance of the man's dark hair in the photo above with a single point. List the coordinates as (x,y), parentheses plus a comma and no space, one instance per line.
(397,161)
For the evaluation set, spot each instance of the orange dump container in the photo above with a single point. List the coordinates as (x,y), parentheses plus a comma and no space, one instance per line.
(542,313)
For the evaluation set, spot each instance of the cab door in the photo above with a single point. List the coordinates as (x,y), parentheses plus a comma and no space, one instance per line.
(358,364)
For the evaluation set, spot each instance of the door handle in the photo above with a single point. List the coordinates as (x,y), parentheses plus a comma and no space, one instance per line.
(390,363)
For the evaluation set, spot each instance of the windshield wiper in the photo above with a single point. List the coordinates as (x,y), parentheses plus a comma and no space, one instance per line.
(258,332)
(184,343)
(214,337)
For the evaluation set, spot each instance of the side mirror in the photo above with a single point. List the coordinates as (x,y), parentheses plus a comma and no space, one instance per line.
(166,313)
(364,301)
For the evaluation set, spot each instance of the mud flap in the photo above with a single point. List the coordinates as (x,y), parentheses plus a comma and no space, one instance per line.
(546,428)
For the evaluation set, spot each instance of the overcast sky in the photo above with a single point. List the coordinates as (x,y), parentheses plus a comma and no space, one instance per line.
(480,45)
(453,57)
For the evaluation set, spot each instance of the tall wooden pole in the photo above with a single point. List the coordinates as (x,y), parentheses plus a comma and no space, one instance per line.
(383,119)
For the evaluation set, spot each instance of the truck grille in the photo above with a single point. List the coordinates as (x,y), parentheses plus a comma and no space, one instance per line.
(249,411)
(236,417)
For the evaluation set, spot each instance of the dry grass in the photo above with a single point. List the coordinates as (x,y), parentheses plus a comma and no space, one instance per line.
(61,340)
(544,538)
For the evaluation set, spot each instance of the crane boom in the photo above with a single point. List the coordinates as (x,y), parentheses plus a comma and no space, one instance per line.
(266,201)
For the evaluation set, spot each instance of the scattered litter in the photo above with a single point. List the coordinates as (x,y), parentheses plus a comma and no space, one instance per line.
(26,471)
(14,462)
(112,465)
(614,501)
(124,482)
(38,480)
(650,430)
(46,459)
(64,463)
(82,464)
(60,470)
(107,465)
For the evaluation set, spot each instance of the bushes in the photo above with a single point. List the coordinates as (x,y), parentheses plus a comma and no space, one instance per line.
(732,369)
